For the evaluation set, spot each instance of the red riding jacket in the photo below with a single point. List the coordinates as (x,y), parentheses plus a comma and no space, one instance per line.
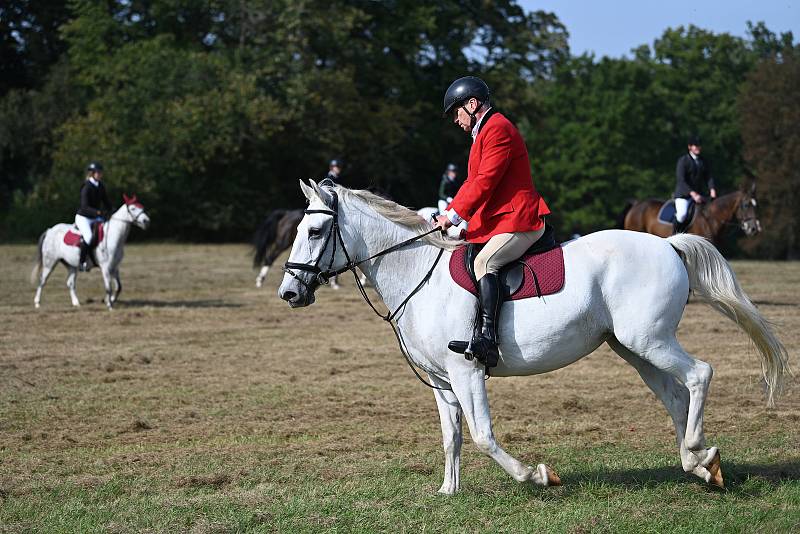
(499,196)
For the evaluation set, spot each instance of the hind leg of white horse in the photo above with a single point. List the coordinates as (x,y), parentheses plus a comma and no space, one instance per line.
(470,390)
(47,270)
(71,284)
(681,382)
(262,275)
(452,435)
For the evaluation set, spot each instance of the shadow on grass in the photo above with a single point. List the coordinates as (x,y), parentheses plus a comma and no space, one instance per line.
(773,303)
(735,475)
(202,303)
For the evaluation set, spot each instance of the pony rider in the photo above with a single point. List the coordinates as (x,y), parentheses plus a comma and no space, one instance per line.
(93,199)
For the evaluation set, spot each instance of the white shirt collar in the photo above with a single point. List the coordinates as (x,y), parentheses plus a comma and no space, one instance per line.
(693,156)
(94,182)
(478,124)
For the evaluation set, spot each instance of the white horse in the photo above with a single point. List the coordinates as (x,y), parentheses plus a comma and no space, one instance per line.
(627,289)
(109,252)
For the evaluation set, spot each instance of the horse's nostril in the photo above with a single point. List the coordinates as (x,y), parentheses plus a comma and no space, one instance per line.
(288,295)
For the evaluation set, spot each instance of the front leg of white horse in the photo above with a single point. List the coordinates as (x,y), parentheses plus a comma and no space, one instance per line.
(452,435)
(118,284)
(71,283)
(470,389)
(107,284)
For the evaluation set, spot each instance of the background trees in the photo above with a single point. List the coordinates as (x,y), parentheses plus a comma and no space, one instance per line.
(212,112)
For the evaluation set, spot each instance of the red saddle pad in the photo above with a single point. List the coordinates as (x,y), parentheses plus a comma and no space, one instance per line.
(548,266)
(73,237)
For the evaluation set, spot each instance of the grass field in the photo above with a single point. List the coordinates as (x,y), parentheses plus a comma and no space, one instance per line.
(202,404)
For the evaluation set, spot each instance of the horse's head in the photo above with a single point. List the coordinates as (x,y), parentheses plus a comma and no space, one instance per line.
(746,210)
(317,250)
(136,212)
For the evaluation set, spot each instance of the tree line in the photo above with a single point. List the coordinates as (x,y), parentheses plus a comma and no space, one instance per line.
(211,111)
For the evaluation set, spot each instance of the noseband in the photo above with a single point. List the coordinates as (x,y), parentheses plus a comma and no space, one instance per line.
(322,277)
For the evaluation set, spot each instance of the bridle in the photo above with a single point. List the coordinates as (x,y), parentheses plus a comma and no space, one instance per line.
(323,276)
(133,218)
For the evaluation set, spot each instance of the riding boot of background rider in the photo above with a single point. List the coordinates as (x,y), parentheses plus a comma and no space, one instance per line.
(484,343)
(83,264)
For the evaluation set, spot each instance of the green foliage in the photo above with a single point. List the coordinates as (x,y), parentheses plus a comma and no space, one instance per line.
(770,109)
(615,127)
(212,110)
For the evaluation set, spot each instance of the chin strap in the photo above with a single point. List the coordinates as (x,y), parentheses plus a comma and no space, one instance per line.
(473,118)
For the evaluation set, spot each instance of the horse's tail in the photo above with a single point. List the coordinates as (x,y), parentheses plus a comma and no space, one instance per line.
(37,267)
(621,217)
(265,236)
(713,281)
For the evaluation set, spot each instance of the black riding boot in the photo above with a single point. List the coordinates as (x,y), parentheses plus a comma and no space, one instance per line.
(83,265)
(484,344)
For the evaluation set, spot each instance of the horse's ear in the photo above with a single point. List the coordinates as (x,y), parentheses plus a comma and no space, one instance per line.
(307,191)
(126,199)
(314,186)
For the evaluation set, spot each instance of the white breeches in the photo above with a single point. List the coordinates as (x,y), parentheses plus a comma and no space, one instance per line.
(84,225)
(681,209)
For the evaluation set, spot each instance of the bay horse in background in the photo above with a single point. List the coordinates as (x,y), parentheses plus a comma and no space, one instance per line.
(709,219)
(275,234)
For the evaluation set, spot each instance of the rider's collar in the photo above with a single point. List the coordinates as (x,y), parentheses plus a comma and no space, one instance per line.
(93,181)
(477,128)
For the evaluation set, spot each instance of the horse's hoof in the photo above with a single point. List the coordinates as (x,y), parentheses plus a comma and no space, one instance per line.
(546,476)
(715,469)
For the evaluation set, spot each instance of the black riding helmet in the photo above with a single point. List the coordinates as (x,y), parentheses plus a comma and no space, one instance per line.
(94,166)
(462,90)
(452,167)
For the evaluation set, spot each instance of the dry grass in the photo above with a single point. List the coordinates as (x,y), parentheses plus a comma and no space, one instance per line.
(204,404)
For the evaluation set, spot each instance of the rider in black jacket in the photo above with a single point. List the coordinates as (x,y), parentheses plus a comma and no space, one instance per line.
(95,207)
(693,173)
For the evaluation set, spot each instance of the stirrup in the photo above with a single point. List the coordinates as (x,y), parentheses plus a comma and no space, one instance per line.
(459,347)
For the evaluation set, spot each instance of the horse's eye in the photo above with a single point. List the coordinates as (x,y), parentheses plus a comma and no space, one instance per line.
(314,233)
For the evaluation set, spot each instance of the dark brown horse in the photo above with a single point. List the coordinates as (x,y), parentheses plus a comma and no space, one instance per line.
(710,218)
(275,234)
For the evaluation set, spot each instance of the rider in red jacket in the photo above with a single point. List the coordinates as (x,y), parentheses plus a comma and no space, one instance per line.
(498,200)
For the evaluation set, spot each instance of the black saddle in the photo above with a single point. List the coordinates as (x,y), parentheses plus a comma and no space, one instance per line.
(512,275)
(666,215)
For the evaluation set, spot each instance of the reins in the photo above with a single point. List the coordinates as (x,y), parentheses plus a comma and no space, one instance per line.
(323,276)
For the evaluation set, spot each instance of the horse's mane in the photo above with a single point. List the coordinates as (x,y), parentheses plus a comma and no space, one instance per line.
(400,215)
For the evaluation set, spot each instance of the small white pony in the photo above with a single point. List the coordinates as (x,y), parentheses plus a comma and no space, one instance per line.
(109,251)
(627,289)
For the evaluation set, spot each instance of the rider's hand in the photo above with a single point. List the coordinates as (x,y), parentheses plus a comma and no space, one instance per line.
(443,223)
(698,198)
